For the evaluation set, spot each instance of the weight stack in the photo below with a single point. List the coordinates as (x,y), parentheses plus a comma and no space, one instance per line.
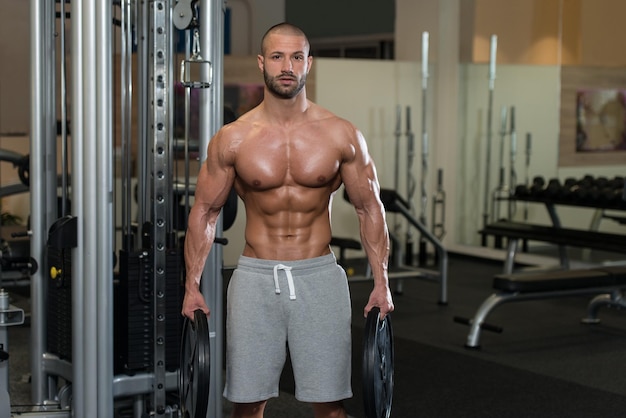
(61,239)
(174,293)
(134,312)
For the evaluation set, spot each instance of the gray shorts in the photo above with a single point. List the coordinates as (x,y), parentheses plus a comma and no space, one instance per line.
(302,304)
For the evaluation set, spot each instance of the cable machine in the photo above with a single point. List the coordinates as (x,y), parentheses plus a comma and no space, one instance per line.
(83,372)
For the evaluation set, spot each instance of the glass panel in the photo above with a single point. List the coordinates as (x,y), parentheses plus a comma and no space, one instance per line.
(559,68)
(513,82)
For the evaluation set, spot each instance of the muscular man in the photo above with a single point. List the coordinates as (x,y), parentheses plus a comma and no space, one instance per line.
(286,158)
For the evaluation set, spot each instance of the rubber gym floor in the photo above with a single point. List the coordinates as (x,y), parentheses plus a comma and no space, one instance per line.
(544,364)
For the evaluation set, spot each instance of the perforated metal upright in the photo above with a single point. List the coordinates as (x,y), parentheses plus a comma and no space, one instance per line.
(161,86)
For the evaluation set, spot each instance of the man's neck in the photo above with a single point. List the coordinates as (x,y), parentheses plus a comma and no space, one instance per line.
(285,111)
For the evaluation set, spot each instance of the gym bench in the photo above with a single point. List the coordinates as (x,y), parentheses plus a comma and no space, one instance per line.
(604,282)
(515,231)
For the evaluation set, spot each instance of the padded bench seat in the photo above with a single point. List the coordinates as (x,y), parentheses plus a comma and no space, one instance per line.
(560,280)
(605,282)
(561,236)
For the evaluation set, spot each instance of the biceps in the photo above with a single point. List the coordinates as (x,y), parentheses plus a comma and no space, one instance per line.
(362,185)
(213,187)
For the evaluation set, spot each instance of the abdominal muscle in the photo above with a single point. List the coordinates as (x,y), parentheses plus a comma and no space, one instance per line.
(287,226)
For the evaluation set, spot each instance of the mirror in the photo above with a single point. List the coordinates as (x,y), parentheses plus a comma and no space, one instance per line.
(548,52)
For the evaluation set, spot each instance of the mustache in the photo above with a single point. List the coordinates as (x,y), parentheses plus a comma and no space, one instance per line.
(286,74)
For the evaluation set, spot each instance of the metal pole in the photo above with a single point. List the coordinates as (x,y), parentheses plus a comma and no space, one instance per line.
(397,134)
(410,185)
(103,221)
(87,375)
(492,79)
(211,120)
(501,189)
(126,90)
(143,120)
(439,201)
(42,130)
(424,197)
(171,92)
(512,171)
(64,139)
(527,169)
(37,195)
(187,127)
(396,176)
(78,272)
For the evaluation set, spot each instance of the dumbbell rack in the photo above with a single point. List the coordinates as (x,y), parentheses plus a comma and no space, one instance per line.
(599,193)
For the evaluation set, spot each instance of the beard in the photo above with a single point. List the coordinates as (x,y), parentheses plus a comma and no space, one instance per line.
(285,92)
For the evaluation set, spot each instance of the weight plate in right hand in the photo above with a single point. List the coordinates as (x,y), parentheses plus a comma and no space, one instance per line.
(195,367)
(377,365)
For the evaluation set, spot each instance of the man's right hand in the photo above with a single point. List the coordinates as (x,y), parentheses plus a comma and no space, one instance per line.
(193,301)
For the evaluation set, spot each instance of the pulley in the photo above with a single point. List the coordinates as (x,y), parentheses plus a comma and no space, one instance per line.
(185,14)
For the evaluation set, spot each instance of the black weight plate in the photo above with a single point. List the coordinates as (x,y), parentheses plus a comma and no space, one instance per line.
(377,365)
(195,367)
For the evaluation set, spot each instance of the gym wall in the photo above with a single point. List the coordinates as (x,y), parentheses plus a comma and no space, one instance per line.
(14,67)
(342,18)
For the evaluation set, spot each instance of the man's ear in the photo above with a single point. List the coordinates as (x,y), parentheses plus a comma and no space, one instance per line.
(310,63)
(260,62)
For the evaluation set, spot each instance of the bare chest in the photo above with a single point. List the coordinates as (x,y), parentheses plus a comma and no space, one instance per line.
(300,160)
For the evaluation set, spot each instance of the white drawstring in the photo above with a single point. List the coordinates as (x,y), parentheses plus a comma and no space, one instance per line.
(292,290)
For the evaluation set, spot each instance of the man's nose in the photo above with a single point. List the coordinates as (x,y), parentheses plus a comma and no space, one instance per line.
(287,66)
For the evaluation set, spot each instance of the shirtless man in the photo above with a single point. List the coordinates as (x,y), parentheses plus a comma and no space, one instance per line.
(286,158)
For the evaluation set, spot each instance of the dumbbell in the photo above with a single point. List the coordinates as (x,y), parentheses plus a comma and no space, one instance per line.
(566,190)
(522,191)
(587,180)
(552,190)
(616,183)
(601,182)
(586,190)
(610,195)
(537,187)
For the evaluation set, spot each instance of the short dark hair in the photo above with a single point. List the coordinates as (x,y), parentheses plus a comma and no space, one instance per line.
(288,29)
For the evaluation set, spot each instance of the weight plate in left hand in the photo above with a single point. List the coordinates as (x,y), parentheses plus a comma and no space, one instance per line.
(377,365)
(195,367)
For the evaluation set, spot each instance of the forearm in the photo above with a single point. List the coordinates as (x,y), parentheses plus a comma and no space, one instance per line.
(375,240)
(198,242)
